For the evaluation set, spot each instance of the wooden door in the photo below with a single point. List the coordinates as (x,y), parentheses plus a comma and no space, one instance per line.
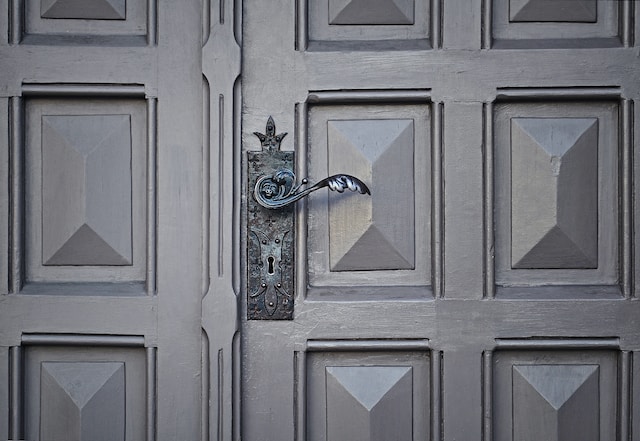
(100,194)
(485,289)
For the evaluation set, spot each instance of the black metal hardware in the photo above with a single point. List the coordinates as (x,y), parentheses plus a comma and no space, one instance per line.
(271,224)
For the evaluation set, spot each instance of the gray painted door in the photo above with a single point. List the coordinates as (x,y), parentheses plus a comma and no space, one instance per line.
(485,289)
(100,233)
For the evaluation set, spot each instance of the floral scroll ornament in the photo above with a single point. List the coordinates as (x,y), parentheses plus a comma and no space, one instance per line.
(279,189)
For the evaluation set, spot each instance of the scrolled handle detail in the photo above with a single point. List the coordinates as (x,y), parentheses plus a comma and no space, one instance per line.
(279,190)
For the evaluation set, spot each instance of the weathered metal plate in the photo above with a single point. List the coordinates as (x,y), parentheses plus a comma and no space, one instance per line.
(270,245)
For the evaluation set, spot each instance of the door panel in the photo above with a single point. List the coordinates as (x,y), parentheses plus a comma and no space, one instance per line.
(101,196)
(492,263)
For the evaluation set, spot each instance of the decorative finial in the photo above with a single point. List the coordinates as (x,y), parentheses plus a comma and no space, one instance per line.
(269,140)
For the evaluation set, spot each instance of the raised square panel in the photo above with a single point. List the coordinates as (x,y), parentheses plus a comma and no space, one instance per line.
(555,23)
(562,395)
(85,192)
(362,24)
(553,10)
(554,180)
(108,22)
(556,192)
(84,393)
(366,12)
(382,239)
(84,9)
(368,396)
(82,401)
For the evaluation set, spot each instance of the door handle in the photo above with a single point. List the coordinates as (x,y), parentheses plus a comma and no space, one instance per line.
(270,224)
(279,190)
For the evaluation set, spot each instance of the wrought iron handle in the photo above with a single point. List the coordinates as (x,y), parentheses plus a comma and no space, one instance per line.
(279,190)
(271,227)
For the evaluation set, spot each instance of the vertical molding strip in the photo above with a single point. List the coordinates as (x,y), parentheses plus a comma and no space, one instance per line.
(487,18)
(300,143)
(627,23)
(16,11)
(152,148)
(151,393)
(627,194)
(437,185)
(221,181)
(152,22)
(487,392)
(436,24)
(220,398)
(436,395)
(205,363)
(206,184)
(17,193)
(624,430)
(301,39)
(489,268)
(16,414)
(300,395)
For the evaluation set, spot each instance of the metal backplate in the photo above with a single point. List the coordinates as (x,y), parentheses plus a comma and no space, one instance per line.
(270,245)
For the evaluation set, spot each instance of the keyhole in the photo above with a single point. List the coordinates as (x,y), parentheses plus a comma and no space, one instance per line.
(270,260)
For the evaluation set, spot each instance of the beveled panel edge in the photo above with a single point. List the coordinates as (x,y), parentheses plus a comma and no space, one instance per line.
(557,343)
(368,345)
(437,201)
(625,288)
(66,90)
(486,26)
(301,264)
(16,393)
(152,168)
(489,202)
(17,204)
(369,96)
(151,392)
(77,90)
(437,395)
(625,385)
(148,36)
(563,93)
(152,22)
(432,41)
(626,194)
(16,12)
(487,395)
(83,340)
(299,395)
(618,35)
(361,97)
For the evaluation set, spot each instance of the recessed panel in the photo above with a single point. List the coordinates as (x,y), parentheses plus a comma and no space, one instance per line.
(84,393)
(86,190)
(535,24)
(368,395)
(563,395)
(381,239)
(556,194)
(366,24)
(95,22)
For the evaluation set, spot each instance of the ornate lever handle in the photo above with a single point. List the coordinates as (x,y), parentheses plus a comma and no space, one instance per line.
(279,189)
(271,232)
